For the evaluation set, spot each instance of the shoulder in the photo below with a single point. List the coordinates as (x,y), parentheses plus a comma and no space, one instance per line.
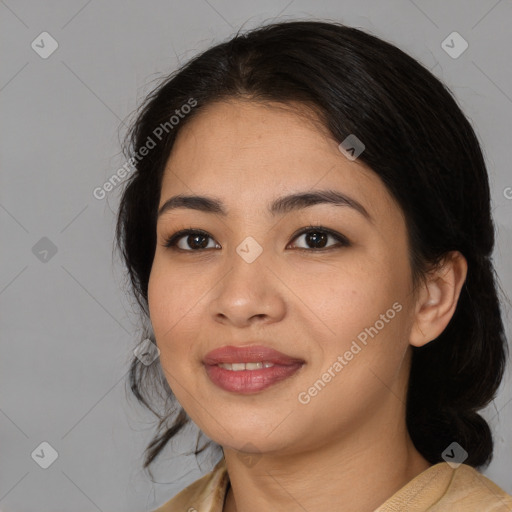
(470,490)
(442,488)
(204,495)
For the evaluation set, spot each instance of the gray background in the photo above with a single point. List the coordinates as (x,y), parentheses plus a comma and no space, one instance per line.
(68,329)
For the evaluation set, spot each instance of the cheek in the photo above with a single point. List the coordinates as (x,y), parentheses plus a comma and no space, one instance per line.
(157,298)
(362,309)
(171,294)
(177,304)
(166,307)
(349,297)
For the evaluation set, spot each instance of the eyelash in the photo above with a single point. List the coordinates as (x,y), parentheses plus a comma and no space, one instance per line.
(172,240)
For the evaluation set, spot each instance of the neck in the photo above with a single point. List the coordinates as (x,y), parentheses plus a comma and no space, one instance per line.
(352,475)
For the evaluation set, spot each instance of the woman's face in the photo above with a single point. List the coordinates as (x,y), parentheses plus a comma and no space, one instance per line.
(341,311)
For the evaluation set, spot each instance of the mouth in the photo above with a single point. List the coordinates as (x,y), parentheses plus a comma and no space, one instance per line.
(249,369)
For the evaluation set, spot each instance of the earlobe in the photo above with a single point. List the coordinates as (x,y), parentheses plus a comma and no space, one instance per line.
(438,299)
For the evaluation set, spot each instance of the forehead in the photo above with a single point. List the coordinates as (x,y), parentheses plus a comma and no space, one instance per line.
(249,152)
(229,130)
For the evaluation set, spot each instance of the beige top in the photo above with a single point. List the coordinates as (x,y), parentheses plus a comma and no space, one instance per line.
(438,488)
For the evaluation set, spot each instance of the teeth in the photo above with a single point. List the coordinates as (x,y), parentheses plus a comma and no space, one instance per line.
(252,366)
(236,367)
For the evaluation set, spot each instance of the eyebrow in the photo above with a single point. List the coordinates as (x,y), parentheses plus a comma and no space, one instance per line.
(280,206)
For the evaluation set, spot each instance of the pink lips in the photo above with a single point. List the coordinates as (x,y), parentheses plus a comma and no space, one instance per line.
(249,381)
(254,353)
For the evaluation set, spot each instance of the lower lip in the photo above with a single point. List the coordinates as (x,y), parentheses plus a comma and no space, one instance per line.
(249,381)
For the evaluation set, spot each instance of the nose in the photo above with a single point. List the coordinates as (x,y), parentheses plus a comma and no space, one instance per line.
(248,293)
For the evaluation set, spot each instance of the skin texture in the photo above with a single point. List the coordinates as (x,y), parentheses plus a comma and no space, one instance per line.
(349,445)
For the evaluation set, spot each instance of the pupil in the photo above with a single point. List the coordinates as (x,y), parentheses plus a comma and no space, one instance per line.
(315,237)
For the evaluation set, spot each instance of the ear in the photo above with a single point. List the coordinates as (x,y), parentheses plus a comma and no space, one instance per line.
(437,299)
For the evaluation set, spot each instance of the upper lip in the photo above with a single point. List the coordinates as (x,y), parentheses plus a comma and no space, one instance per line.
(248,354)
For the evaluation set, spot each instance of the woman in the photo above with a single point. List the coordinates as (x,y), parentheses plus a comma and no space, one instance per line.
(308,232)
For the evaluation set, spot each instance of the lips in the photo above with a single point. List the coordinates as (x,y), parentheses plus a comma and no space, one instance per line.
(271,367)
(252,354)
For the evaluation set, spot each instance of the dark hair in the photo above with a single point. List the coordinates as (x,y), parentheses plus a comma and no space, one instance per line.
(417,141)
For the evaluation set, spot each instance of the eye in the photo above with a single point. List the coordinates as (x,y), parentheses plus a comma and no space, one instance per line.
(195,240)
(317,236)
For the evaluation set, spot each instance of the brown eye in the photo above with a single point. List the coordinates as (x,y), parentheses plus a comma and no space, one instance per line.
(317,237)
(188,240)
